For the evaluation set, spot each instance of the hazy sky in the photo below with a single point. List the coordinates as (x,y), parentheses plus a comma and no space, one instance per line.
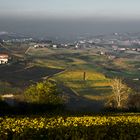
(69,17)
(71,8)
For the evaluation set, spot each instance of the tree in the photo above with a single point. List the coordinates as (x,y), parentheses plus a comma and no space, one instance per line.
(43,93)
(120,92)
(1,41)
(134,101)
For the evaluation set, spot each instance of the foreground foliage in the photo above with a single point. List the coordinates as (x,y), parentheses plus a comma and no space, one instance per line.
(119,127)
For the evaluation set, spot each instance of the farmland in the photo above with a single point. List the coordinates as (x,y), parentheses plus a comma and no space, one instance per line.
(84,78)
(87,60)
(67,67)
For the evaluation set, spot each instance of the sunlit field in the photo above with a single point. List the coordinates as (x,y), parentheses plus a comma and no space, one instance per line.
(95,86)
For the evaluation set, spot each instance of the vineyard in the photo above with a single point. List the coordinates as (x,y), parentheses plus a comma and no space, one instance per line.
(116,127)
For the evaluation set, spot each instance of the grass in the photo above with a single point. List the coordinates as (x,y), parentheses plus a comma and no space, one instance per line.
(96,86)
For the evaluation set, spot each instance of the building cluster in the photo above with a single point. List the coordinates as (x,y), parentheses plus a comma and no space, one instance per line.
(118,48)
(4,58)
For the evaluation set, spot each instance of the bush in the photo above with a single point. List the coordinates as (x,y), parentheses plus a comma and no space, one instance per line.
(43,93)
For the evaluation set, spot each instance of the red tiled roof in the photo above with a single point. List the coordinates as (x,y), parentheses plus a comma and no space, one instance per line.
(4,56)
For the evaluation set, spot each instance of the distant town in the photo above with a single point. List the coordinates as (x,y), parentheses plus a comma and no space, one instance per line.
(110,45)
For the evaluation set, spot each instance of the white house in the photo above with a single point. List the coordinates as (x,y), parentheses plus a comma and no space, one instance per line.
(54,46)
(122,49)
(4,58)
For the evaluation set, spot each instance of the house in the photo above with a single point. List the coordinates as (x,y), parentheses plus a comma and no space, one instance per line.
(101,53)
(138,49)
(111,57)
(39,46)
(76,46)
(115,47)
(4,58)
(54,46)
(122,49)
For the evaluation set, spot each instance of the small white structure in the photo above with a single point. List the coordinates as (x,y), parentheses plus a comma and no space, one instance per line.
(7,96)
(39,45)
(122,49)
(76,46)
(115,47)
(36,46)
(54,46)
(4,58)
(136,79)
(101,53)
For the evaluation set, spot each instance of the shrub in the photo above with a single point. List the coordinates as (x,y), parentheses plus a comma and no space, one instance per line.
(43,93)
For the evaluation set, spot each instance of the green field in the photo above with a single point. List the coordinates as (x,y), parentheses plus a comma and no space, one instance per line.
(96,86)
(76,62)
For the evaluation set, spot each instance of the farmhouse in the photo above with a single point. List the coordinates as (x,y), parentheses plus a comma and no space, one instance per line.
(4,58)
(122,49)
